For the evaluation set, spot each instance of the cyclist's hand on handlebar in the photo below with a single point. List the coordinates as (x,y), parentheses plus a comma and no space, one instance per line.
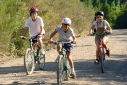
(50,41)
(74,42)
(90,34)
(109,32)
(21,37)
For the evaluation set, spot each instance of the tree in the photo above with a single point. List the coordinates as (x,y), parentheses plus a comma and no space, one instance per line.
(89,3)
(106,9)
(121,21)
(97,5)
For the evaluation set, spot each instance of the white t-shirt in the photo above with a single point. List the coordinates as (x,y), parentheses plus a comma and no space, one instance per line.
(104,23)
(65,36)
(34,27)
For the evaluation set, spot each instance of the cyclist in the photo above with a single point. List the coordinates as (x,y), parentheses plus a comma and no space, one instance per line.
(66,34)
(36,27)
(101,25)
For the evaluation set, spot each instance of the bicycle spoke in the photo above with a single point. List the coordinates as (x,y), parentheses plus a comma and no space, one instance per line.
(29,61)
(41,62)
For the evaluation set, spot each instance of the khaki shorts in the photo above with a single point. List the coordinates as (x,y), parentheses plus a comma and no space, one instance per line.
(97,37)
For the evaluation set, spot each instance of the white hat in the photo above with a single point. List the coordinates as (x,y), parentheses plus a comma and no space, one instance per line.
(66,21)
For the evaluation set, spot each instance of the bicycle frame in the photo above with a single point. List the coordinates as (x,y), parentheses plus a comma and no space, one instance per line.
(33,45)
(32,55)
(101,50)
(101,47)
(63,53)
(63,65)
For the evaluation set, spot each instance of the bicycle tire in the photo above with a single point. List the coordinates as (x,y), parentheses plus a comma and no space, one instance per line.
(29,61)
(41,62)
(60,70)
(102,59)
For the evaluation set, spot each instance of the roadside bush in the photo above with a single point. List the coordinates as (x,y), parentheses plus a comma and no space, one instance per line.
(15,12)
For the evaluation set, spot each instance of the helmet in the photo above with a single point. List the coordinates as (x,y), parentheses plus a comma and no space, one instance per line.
(66,21)
(33,9)
(100,13)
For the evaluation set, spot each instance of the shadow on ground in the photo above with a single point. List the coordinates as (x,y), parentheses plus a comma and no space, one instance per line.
(115,70)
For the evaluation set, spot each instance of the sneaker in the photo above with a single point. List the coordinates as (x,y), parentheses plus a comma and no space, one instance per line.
(72,75)
(96,61)
(42,51)
(108,53)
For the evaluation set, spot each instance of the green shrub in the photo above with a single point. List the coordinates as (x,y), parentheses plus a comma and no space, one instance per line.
(14,13)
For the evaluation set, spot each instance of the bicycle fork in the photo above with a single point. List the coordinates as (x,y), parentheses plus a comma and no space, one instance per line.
(36,57)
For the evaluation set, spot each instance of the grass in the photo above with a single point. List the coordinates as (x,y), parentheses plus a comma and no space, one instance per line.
(14,13)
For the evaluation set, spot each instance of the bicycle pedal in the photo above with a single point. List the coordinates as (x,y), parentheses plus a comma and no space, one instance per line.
(67,79)
(35,62)
(56,61)
(72,76)
(96,63)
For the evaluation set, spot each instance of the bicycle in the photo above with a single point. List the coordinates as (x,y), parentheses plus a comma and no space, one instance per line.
(63,65)
(101,50)
(32,55)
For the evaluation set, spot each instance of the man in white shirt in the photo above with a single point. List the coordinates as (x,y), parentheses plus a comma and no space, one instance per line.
(36,27)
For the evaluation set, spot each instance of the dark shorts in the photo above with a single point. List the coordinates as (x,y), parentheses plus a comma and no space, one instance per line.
(34,38)
(68,47)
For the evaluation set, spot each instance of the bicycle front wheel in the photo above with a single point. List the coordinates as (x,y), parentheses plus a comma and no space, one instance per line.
(29,61)
(60,70)
(41,62)
(102,60)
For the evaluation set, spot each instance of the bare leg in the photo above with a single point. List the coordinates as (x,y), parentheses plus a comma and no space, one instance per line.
(73,74)
(58,48)
(97,49)
(39,38)
(40,43)
(105,41)
(70,60)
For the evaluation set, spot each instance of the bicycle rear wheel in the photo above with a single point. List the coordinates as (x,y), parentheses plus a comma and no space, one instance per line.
(102,60)
(60,70)
(67,71)
(41,62)
(29,61)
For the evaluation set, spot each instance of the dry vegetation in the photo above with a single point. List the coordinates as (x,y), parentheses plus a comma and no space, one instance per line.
(52,12)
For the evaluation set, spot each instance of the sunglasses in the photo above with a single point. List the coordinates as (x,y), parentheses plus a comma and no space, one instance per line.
(66,24)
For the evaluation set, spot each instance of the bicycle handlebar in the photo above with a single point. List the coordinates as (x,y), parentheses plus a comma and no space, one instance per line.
(105,33)
(27,38)
(55,43)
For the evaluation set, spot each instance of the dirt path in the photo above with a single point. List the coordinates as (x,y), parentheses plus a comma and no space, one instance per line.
(12,72)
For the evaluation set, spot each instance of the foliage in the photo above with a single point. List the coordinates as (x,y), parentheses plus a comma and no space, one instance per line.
(11,12)
(114,10)
(121,21)
(14,13)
